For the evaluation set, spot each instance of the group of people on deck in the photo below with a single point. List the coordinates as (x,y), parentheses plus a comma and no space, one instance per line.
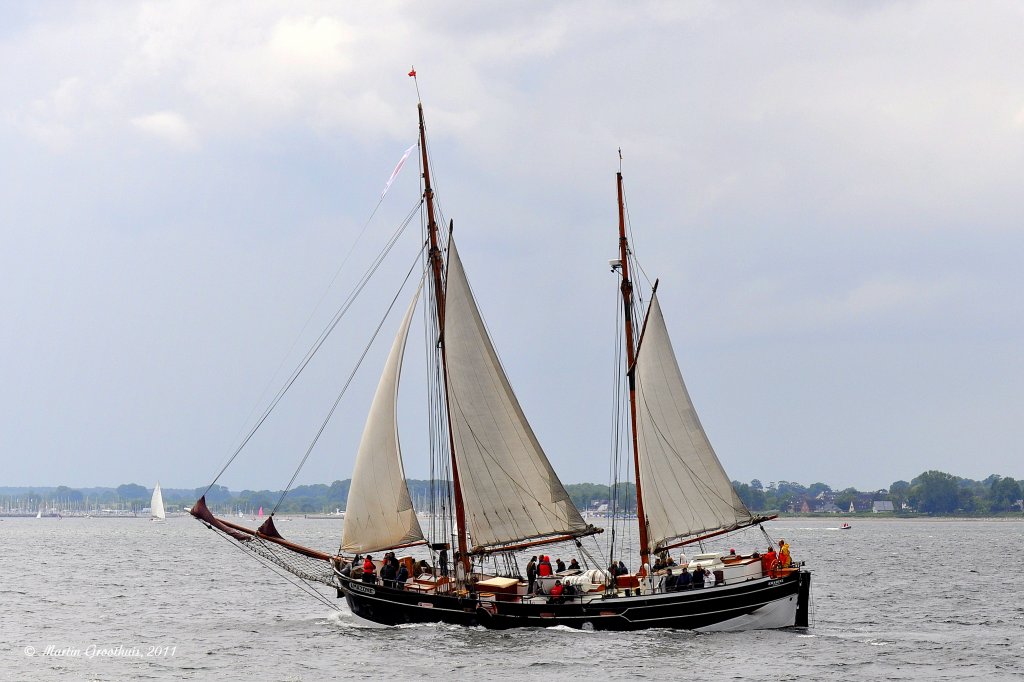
(542,568)
(771,561)
(393,573)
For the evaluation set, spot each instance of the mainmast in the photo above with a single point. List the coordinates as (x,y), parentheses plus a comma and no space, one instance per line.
(627,304)
(437,267)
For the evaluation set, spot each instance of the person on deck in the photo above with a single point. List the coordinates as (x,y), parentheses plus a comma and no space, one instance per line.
(531,574)
(556,593)
(670,581)
(559,565)
(544,567)
(697,577)
(574,565)
(388,573)
(369,571)
(784,558)
(684,581)
(622,569)
(768,561)
(401,576)
(442,561)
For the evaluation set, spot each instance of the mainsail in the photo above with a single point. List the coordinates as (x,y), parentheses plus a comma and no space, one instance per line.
(156,505)
(686,491)
(380,513)
(510,492)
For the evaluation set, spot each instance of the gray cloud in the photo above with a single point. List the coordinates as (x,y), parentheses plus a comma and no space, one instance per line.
(828,192)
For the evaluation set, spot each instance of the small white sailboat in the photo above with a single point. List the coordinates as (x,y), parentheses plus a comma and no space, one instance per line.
(39,514)
(156,505)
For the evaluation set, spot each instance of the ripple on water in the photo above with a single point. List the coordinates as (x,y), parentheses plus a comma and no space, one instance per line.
(883,607)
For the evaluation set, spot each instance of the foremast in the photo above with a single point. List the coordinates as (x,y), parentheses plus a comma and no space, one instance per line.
(627,305)
(437,269)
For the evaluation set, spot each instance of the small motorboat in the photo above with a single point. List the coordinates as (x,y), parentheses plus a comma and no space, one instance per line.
(845,526)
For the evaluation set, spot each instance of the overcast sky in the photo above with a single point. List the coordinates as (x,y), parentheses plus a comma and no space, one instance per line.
(830,194)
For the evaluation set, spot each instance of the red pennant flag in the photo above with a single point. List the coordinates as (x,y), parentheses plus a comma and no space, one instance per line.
(412,74)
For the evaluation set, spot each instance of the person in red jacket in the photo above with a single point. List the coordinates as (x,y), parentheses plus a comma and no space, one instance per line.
(768,561)
(544,566)
(556,593)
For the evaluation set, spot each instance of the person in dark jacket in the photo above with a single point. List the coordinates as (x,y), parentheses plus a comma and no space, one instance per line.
(574,565)
(401,576)
(697,577)
(531,574)
(683,582)
(670,581)
(442,561)
(388,573)
(559,565)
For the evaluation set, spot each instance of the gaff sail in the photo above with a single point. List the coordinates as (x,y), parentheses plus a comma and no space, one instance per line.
(685,489)
(510,492)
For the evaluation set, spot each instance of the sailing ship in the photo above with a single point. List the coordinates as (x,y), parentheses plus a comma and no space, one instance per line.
(156,505)
(500,495)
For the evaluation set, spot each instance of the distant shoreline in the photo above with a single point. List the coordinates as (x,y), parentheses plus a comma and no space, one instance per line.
(1015,516)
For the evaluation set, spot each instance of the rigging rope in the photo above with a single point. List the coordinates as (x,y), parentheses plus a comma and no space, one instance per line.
(346,305)
(348,382)
(308,589)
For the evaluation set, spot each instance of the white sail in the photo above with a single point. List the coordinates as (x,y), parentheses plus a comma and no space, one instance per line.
(510,492)
(685,489)
(156,505)
(39,514)
(380,512)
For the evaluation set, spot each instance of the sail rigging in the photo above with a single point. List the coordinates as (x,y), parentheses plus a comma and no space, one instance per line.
(686,490)
(380,512)
(509,489)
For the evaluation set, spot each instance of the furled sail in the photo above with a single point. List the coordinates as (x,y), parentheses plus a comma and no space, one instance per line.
(380,513)
(685,489)
(510,492)
(156,504)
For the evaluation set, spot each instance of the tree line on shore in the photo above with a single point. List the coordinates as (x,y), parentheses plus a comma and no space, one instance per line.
(933,492)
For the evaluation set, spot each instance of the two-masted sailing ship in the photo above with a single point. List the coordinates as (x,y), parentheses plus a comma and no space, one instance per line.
(497,495)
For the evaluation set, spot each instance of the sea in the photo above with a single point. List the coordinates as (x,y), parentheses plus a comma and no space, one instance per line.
(130,599)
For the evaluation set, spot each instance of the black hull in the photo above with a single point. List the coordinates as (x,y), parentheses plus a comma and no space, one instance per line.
(757,604)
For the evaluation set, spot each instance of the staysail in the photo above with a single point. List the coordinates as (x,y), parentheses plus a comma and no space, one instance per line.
(686,491)
(510,492)
(380,513)
(156,504)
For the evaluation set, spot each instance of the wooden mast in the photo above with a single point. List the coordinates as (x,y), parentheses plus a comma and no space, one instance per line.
(627,303)
(437,266)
